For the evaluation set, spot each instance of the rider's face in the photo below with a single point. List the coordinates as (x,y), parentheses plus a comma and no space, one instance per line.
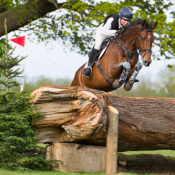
(124,22)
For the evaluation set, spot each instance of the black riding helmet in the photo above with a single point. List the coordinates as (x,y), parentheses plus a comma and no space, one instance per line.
(126,14)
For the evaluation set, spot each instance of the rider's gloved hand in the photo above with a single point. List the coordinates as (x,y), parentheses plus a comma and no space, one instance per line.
(119,32)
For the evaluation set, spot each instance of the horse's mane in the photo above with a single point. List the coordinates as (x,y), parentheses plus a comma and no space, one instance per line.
(138,21)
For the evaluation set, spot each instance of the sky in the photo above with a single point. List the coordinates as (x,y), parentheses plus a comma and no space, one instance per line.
(53,62)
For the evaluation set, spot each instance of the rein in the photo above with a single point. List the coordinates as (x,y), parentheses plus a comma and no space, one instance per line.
(125,51)
(135,53)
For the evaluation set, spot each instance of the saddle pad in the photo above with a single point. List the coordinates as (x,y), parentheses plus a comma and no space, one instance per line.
(104,46)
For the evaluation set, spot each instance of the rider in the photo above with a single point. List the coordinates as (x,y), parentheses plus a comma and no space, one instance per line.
(112,26)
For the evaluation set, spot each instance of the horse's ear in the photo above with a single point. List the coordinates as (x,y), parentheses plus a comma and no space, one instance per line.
(154,26)
(144,23)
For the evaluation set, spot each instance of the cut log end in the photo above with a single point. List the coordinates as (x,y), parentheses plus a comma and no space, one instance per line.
(113,110)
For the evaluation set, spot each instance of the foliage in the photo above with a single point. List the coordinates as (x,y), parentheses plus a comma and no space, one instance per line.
(18,147)
(166,87)
(73,22)
(2,42)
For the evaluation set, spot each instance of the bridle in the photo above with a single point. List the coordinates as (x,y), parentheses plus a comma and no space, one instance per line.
(139,48)
(128,54)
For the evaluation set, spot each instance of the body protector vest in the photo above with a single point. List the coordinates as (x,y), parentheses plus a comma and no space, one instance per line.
(115,25)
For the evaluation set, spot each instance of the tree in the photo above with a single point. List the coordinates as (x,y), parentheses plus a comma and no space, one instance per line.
(18,147)
(73,22)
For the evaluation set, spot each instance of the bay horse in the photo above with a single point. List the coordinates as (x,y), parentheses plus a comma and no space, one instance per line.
(136,39)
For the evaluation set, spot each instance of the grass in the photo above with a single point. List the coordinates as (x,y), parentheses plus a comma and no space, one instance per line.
(9,172)
(170,153)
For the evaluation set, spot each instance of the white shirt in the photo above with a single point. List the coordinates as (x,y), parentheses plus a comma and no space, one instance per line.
(105,29)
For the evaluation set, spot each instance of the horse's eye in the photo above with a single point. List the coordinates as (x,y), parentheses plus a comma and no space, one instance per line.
(142,39)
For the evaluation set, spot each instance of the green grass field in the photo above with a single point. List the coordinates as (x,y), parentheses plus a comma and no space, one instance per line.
(161,152)
(8,172)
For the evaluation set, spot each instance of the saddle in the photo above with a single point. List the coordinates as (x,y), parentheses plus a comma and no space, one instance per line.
(103,47)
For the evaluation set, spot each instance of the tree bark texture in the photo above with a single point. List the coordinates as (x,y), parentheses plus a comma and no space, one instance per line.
(19,17)
(79,115)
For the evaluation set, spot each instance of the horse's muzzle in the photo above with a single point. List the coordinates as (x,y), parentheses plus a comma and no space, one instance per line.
(146,63)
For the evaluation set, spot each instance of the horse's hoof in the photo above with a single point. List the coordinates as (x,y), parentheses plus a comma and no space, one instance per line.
(128,85)
(116,84)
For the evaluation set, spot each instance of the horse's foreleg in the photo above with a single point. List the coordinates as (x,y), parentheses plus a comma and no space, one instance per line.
(129,84)
(126,68)
(138,67)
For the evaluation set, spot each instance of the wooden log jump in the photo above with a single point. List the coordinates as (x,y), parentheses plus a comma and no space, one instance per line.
(76,114)
(80,116)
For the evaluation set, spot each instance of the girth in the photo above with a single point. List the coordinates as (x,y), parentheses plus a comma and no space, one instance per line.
(102,72)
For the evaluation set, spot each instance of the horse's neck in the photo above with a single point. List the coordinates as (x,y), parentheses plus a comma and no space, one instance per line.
(129,38)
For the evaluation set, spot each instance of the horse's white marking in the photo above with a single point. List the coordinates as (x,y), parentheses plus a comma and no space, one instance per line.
(149,36)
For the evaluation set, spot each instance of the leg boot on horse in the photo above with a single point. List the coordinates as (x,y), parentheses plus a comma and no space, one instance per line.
(129,84)
(126,68)
(92,58)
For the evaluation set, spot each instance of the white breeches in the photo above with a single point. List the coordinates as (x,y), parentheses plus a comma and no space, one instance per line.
(99,38)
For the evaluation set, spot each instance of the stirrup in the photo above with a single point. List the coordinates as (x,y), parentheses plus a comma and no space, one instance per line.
(87,72)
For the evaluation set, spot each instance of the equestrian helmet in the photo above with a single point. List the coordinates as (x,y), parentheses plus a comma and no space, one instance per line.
(126,14)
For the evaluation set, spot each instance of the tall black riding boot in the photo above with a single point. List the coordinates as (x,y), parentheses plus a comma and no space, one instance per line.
(92,58)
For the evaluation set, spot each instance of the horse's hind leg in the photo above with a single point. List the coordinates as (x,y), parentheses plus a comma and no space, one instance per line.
(126,68)
(129,84)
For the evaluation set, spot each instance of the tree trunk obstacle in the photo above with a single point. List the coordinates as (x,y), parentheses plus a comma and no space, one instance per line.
(79,116)
(76,114)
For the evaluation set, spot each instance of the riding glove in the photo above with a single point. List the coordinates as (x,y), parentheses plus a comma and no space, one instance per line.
(119,32)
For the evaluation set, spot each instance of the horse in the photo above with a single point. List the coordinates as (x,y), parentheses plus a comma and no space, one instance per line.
(136,40)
